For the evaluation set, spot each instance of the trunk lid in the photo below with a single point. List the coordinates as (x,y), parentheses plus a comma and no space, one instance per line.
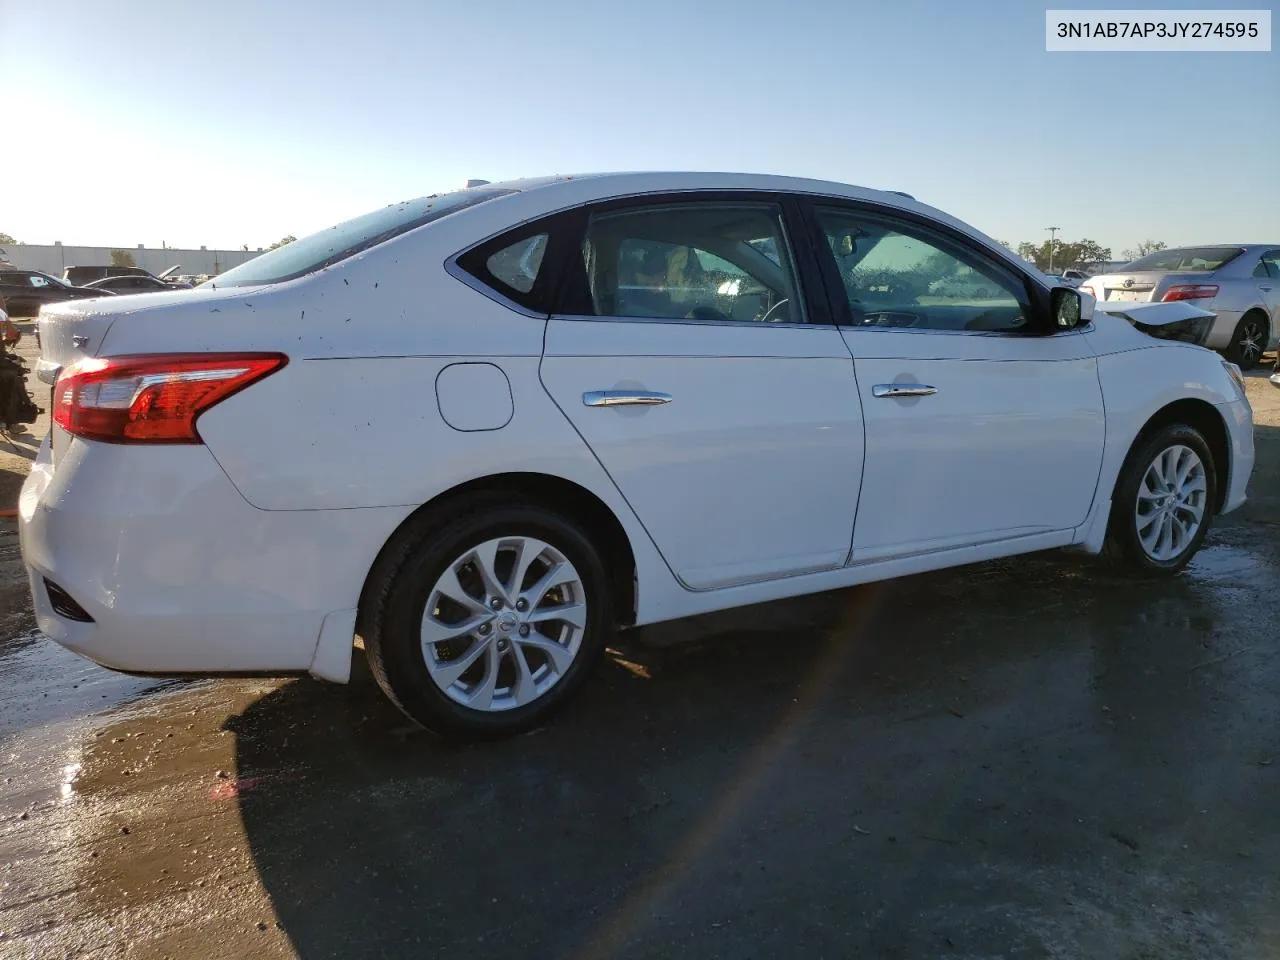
(1143,287)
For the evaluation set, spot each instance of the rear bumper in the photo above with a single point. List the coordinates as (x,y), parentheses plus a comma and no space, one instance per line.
(178,573)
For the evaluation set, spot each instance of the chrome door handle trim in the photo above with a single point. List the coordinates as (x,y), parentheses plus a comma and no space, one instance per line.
(623,398)
(903,390)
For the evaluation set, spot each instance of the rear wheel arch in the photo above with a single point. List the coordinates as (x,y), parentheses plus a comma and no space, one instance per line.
(571,500)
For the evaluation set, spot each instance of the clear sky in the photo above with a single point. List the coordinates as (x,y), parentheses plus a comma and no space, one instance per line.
(235,122)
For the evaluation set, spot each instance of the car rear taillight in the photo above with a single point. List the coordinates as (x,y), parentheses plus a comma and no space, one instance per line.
(1085,288)
(153,398)
(1190,291)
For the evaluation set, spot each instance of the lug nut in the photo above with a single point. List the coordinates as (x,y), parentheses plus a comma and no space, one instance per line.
(524,629)
(485,629)
(522,604)
(495,603)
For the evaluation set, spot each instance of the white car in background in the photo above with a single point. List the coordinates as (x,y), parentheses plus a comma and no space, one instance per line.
(1240,283)
(484,429)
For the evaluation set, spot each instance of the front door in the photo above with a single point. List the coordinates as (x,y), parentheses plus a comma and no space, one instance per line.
(690,363)
(977,428)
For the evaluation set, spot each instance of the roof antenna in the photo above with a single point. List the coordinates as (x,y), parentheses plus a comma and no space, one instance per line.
(476,183)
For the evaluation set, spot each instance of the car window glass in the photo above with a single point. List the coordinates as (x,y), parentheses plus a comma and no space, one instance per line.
(896,277)
(36,281)
(517,266)
(1271,264)
(697,261)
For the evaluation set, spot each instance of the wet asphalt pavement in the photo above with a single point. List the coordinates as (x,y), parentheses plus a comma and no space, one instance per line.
(1019,759)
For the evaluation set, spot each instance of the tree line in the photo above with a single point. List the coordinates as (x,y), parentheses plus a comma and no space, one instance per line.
(1079,253)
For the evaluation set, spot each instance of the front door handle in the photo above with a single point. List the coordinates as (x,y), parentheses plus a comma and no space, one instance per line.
(903,390)
(623,398)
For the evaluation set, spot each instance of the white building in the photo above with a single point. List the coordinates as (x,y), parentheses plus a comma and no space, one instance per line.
(54,258)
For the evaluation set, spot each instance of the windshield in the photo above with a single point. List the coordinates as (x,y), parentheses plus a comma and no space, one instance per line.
(1185,259)
(347,239)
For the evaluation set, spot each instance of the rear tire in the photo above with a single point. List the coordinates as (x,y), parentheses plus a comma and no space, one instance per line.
(460,646)
(1248,340)
(1163,503)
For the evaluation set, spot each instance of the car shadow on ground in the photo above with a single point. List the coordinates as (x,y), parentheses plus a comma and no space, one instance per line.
(816,774)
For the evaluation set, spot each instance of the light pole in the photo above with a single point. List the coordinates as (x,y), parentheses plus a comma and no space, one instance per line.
(1052,231)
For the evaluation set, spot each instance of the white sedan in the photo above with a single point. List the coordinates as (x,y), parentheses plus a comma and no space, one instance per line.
(481,430)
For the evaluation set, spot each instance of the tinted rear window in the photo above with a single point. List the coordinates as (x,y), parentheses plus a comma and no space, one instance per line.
(345,240)
(1190,259)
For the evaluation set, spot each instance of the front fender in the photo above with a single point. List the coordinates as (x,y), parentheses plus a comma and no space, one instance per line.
(1138,383)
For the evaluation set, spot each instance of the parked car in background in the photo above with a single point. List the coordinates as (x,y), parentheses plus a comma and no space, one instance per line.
(26,291)
(1073,278)
(651,396)
(133,284)
(83,276)
(1238,282)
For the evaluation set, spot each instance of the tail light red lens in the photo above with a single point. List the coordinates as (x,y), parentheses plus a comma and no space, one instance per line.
(1190,291)
(1085,288)
(154,398)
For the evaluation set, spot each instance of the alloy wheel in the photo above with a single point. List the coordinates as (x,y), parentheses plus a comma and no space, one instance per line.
(1171,503)
(503,623)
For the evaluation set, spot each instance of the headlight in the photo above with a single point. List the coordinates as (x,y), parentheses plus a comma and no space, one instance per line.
(1234,372)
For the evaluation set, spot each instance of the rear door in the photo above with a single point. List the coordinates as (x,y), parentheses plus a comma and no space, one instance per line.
(710,384)
(978,427)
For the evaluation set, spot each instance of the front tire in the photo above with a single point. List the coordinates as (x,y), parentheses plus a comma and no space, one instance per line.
(1163,504)
(485,625)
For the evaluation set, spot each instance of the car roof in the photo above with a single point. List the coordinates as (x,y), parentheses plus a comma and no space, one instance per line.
(595,187)
(622,183)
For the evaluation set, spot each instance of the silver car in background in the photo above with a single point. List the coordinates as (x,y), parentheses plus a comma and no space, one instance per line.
(1238,282)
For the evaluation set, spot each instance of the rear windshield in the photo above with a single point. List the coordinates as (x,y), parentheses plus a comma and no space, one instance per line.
(1188,259)
(347,239)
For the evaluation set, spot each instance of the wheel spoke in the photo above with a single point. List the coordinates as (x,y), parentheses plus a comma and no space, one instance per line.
(559,574)
(447,672)
(1193,512)
(561,657)
(448,586)
(1145,522)
(1163,538)
(436,631)
(528,552)
(1179,528)
(574,614)
(1187,463)
(1195,484)
(524,689)
(1144,490)
(485,558)
(481,698)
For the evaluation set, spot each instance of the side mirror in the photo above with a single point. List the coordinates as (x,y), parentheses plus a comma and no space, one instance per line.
(1068,308)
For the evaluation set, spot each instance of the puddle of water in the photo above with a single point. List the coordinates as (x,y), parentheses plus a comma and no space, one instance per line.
(49,699)
(42,683)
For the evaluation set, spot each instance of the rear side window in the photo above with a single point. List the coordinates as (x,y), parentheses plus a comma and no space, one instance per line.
(516,266)
(519,266)
(345,240)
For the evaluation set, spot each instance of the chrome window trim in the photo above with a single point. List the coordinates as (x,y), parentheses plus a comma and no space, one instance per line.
(695,323)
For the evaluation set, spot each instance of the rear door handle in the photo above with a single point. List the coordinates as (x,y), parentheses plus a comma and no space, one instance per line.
(623,398)
(903,390)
